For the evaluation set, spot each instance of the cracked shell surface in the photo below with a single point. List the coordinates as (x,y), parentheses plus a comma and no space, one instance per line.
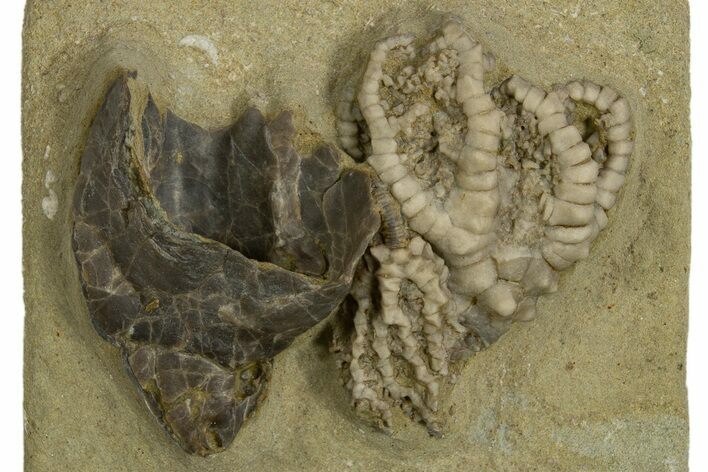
(546,396)
(193,251)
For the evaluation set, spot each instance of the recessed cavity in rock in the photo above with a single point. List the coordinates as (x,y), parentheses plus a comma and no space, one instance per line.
(491,193)
(202,254)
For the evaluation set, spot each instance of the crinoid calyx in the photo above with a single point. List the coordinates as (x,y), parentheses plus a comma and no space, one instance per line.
(492,191)
(203,254)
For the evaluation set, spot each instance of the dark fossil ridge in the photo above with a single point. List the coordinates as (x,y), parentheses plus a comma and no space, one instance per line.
(202,254)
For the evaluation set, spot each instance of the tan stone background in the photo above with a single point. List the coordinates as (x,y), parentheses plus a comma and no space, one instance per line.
(596,383)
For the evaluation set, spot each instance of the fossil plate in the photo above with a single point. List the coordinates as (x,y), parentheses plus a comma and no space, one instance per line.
(493,192)
(202,254)
(604,358)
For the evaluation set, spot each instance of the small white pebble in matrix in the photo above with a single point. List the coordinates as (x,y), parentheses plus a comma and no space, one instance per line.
(202,43)
(50,203)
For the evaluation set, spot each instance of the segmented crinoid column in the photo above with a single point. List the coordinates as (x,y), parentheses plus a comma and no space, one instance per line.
(492,193)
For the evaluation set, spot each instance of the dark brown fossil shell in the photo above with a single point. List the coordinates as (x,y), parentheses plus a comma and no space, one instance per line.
(203,254)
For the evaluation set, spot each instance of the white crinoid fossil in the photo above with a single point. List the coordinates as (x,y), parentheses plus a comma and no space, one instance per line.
(486,194)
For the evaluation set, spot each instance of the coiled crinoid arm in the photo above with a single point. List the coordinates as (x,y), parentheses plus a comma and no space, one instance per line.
(504,188)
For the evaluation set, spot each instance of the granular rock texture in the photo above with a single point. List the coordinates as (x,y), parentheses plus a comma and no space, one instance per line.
(595,382)
(193,249)
(494,192)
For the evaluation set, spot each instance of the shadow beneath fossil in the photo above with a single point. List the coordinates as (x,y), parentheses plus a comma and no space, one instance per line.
(324,377)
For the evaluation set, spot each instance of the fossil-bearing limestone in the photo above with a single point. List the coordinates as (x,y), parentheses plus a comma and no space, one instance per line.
(493,192)
(202,254)
(595,382)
